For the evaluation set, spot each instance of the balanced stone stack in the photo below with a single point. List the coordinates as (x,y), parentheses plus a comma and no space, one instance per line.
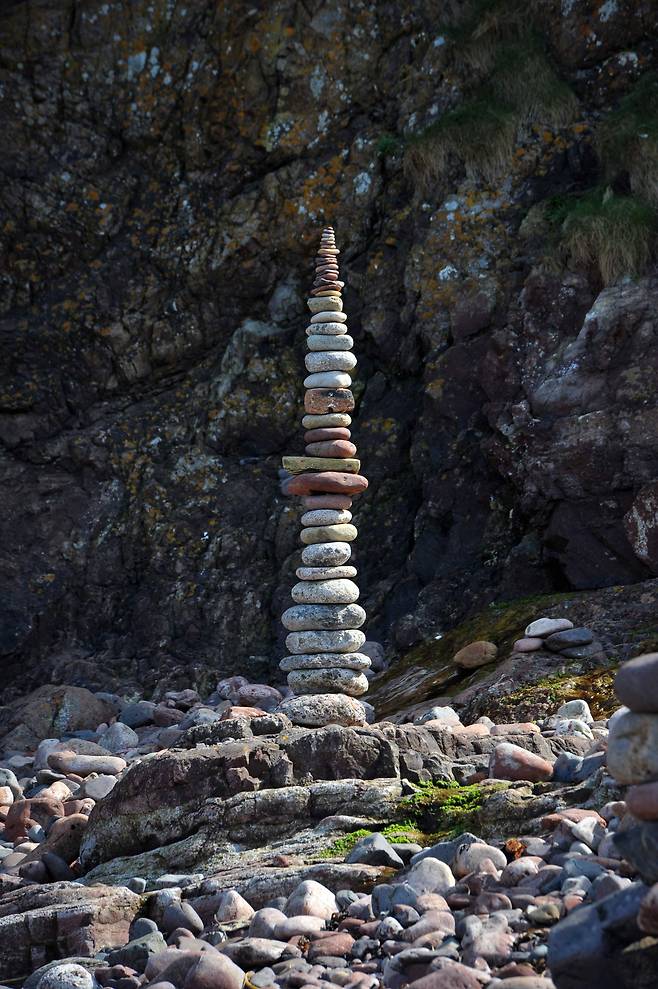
(324,664)
(633,761)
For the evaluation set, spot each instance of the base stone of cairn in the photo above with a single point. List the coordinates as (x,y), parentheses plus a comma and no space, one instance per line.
(325,668)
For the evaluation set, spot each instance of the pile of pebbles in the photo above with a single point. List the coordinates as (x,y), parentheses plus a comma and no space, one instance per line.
(325,666)
(559,635)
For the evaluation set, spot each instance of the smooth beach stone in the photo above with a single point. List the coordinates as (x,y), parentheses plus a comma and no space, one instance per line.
(315,710)
(328,330)
(326,554)
(327,435)
(546,626)
(329,317)
(633,748)
(332,448)
(328,379)
(324,573)
(318,305)
(345,532)
(321,400)
(636,683)
(330,360)
(326,420)
(314,641)
(325,660)
(316,616)
(325,482)
(297,465)
(325,516)
(327,501)
(316,342)
(337,680)
(341,591)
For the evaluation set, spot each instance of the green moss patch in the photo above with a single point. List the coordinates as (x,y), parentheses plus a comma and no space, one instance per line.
(627,140)
(446,810)
(541,699)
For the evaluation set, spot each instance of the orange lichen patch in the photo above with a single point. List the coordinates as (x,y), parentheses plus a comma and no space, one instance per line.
(93,194)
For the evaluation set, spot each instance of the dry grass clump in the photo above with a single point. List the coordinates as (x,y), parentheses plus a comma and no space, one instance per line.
(522,88)
(613,234)
(627,140)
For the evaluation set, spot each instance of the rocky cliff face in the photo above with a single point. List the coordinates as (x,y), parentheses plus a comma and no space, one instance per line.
(166,170)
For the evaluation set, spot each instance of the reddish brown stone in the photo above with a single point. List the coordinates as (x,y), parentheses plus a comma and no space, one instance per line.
(333,448)
(331,482)
(24,813)
(318,401)
(332,433)
(327,501)
(642,801)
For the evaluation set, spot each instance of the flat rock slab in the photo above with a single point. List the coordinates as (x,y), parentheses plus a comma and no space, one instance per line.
(297,465)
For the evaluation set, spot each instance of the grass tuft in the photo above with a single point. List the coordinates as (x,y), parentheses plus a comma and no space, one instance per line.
(480,28)
(614,234)
(388,144)
(627,140)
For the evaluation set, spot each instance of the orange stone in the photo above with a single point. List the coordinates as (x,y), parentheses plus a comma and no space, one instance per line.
(333,448)
(318,401)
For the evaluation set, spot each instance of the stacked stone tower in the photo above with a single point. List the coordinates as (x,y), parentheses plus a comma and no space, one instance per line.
(324,665)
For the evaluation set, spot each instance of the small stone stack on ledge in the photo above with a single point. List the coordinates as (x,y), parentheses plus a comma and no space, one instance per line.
(325,666)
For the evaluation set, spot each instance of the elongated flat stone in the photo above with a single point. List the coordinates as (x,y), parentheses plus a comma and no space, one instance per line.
(326,420)
(327,501)
(328,379)
(344,532)
(297,465)
(336,681)
(323,400)
(315,710)
(332,448)
(315,341)
(335,641)
(330,360)
(325,660)
(325,305)
(326,554)
(325,592)
(325,573)
(316,616)
(328,330)
(329,317)
(326,516)
(326,435)
(326,482)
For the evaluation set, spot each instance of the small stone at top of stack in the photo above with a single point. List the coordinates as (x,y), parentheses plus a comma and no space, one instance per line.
(324,664)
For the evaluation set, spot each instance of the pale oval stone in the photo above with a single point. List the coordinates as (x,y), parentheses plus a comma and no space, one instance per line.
(324,573)
(316,616)
(633,748)
(317,342)
(325,660)
(319,305)
(326,516)
(327,420)
(339,681)
(330,360)
(312,641)
(326,554)
(343,533)
(328,379)
(315,710)
(326,329)
(547,626)
(329,317)
(325,592)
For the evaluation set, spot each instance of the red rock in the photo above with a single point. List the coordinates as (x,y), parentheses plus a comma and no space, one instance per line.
(336,943)
(460,731)
(24,813)
(332,448)
(573,814)
(516,728)
(163,717)
(330,481)
(242,712)
(327,501)
(511,762)
(214,972)
(319,401)
(642,801)
(331,433)
(455,976)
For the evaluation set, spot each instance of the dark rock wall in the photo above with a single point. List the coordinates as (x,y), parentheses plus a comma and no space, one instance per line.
(166,168)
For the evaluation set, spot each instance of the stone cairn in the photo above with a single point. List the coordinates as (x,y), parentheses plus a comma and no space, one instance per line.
(324,665)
